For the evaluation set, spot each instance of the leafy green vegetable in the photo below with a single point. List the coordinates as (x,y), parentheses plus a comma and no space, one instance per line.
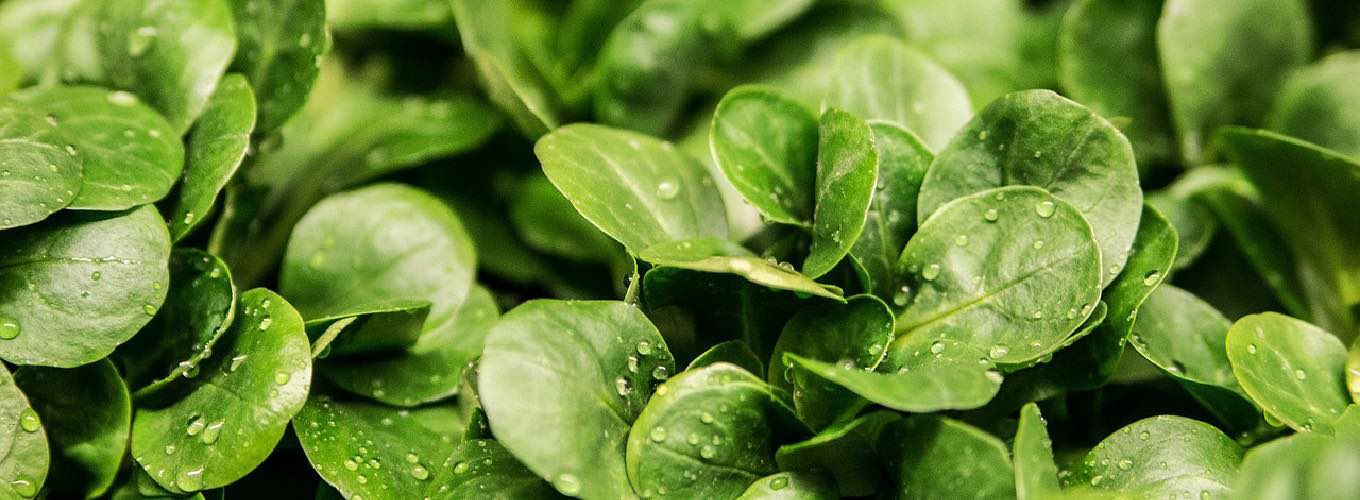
(1274,355)
(211,429)
(1222,65)
(131,155)
(87,414)
(726,249)
(1040,139)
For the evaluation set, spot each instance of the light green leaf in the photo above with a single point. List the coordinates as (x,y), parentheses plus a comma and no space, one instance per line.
(1199,460)
(216,147)
(562,382)
(1117,73)
(1195,223)
(1325,240)
(878,77)
(379,452)
(407,15)
(718,256)
(891,220)
(928,457)
(377,245)
(11,73)
(1223,64)
(87,414)
(1300,467)
(1036,476)
(199,308)
(131,155)
(732,351)
(80,284)
(1291,369)
(922,375)
(507,74)
(791,486)
(1264,247)
(852,336)
(279,49)
(646,65)
(639,190)
(766,145)
(171,53)
(707,433)
(847,173)
(1320,104)
(1011,271)
(54,40)
(38,172)
(1038,138)
(24,460)
(209,431)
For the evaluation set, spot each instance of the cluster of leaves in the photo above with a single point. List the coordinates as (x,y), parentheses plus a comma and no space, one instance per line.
(745,249)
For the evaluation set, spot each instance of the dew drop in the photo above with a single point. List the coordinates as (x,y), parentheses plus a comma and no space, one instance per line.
(282,378)
(419,472)
(212,432)
(1152,278)
(1125,464)
(623,386)
(196,426)
(117,98)
(658,434)
(567,484)
(149,309)
(1045,209)
(28,420)
(902,297)
(660,373)
(706,417)
(9,328)
(998,351)
(780,483)
(1251,348)
(644,347)
(236,362)
(23,487)
(961,240)
(667,190)
(930,272)
(1300,374)
(707,451)
(991,215)
(190,480)
(937,347)
(461,467)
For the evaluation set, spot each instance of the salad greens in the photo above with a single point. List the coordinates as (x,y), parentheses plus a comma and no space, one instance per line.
(694,249)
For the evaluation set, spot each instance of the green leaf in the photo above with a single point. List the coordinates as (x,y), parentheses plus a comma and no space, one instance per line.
(208,431)
(1011,271)
(980,41)
(38,172)
(766,145)
(377,329)
(11,73)
(922,375)
(24,458)
(547,222)
(1195,223)
(694,310)
(664,194)
(930,457)
(563,381)
(1291,369)
(646,65)
(169,53)
(131,155)
(347,134)
(707,433)
(407,15)
(508,76)
(733,351)
(1299,467)
(1116,74)
(379,452)
(1199,460)
(791,486)
(54,40)
(852,335)
(87,414)
(80,284)
(1264,247)
(1324,239)
(1320,104)
(1036,476)
(279,49)
(1224,64)
(877,77)
(847,173)
(846,450)
(1040,139)
(377,245)
(1090,361)
(484,469)
(1185,337)
(423,371)
(199,308)
(216,147)
(718,256)
(891,220)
